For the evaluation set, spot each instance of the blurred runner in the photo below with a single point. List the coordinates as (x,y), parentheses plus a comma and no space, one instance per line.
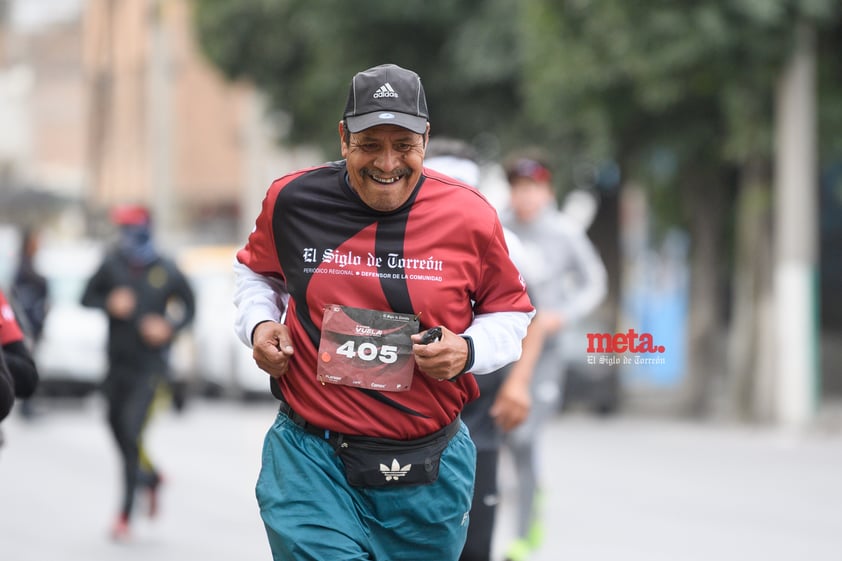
(18,374)
(148,300)
(30,293)
(504,399)
(566,280)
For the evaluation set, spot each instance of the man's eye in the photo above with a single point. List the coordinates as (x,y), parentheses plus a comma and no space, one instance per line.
(370,147)
(404,147)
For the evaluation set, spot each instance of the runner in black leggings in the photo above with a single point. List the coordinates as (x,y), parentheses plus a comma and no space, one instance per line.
(130,395)
(137,288)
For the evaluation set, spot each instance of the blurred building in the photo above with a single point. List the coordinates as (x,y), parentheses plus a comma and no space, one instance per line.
(117,103)
(56,97)
(163,127)
(35,148)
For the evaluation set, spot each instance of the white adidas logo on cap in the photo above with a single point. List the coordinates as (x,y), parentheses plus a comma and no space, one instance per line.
(385,91)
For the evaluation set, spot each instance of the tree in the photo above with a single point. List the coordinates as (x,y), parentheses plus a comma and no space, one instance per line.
(303,55)
(699,81)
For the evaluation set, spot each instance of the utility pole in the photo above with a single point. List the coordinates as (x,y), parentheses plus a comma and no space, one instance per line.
(99,28)
(160,126)
(796,235)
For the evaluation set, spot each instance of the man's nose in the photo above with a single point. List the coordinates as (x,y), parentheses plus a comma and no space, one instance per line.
(388,159)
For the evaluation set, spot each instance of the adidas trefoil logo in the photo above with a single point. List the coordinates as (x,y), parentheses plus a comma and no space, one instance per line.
(385,91)
(396,471)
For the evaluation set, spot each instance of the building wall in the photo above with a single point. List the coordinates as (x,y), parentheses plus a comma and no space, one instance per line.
(115,44)
(209,141)
(123,106)
(166,124)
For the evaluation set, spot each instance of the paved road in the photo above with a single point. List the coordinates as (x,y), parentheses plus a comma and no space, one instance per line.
(655,490)
(622,488)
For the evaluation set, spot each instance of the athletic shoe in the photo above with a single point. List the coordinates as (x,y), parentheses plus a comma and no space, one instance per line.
(518,550)
(536,534)
(521,548)
(120,530)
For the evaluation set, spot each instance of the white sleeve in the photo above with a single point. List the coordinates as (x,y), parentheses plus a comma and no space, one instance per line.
(592,280)
(257,298)
(497,339)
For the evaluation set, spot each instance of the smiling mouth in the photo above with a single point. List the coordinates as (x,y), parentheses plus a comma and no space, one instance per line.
(387,179)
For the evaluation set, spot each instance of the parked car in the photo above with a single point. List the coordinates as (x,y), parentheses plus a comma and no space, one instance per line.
(222,365)
(71,356)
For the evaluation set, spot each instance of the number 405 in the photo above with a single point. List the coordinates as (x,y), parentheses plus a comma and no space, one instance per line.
(387,354)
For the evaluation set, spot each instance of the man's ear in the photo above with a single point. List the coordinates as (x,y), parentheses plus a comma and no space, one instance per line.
(343,146)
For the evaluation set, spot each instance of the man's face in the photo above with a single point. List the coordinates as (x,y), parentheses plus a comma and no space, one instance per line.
(384,164)
(530,197)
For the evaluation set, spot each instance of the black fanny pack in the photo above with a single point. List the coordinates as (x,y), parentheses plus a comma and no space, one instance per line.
(382,462)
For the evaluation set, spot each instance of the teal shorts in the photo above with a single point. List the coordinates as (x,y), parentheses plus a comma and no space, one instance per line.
(311,513)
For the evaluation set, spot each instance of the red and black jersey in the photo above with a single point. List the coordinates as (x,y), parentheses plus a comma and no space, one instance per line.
(10,330)
(440,256)
(17,368)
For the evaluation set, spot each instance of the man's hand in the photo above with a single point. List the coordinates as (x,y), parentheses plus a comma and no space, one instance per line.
(121,302)
(155,330)
(512,403)
(272,348)
(442,359)
(514,398)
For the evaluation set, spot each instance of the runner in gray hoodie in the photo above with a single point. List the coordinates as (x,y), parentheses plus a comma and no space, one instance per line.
(566,280)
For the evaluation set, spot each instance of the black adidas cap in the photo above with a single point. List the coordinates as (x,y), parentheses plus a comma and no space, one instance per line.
(386,95)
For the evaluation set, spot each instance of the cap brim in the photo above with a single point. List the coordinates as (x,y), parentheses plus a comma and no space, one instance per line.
(363,122)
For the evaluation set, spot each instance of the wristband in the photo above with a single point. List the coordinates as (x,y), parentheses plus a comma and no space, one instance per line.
(469,362)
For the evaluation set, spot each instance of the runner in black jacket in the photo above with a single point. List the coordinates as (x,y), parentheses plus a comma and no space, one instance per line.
(137,287)
(18,374)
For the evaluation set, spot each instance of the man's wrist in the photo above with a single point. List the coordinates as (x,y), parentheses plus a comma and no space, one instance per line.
(469,360)
(253,329)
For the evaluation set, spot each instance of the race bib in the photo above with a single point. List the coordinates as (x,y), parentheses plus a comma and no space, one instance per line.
(366,348)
